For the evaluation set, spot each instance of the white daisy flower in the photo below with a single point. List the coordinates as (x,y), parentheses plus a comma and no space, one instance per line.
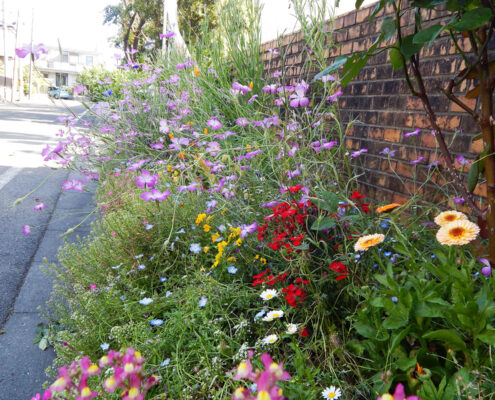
(268,294)
(331,393)
(292,328)
(273,314)
(270,339)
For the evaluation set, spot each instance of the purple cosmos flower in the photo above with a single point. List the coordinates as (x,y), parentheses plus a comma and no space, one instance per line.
(298,98)
(252,99)
(190,188)
(387,151)
(39,207)
(36,50)
(415,133)
(214,124)
(459,200)
(164,128)
(245,229)
(414,162)
(177,143)
(327,78)
(242,121)
(358,153)
(333,97)
(26,229)
(146,179)
(155,195)
(73,184)
(167,35)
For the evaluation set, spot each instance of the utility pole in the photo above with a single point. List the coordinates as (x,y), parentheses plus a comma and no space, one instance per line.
(5,56)
(15,59)
(31,57)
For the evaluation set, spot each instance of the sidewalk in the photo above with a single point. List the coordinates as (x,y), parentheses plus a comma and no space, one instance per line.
(22,363)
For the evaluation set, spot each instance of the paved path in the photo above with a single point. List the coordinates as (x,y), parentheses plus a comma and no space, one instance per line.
(24,130)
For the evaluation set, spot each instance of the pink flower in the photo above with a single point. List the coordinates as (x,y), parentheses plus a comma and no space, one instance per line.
(39,207)
(415,133)
(73,184)
(420,158)
(155,195)
(214,124)
(146,179)
(399,394)
(35,51)
(298,98)
(26,229)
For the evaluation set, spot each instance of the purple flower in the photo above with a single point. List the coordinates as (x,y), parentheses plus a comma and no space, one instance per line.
(420,158)
(358,153)
(202,302)
(73,184)
(270,88)
(155,195)
(35,50)
(333,97)
(146,179)
(167,35)
(26,229)
(298,98)
(487,269)
(214,124)
(415,133)
(327,78)
(137,165)
(462,161)
(245,229)
(329,145)
(237,88)
(242,121)
(39,207)
(78,89)
(252,99)
(177,143)
(276,74)
(387,151)
(433,164)
(164,128)
(459,200)
(190,188)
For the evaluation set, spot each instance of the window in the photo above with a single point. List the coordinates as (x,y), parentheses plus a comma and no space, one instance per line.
(89,60)
(61,79)
(64,57)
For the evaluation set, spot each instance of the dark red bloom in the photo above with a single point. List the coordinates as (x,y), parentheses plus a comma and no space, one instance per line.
(304,332)
(356,196)
(295,188)
(340,269)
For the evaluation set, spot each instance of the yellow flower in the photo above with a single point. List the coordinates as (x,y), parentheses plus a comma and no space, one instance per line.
(250,85)
(263,260)
(231,259)
(447,217)
(214,237)
(248,146)
(458,233)
(196,71)
(200,218)
(206,227)
(170,136)
(170,168)
(205,249)
(238,242)
(365,242)
(256,257)
(386,208)
(206,131)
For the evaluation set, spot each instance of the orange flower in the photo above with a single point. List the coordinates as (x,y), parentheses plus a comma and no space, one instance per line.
(196,71)
(447,217)
(170,136)
(250,85)
(458,233)
(365,242)
(182,155)
(206,131)
(386,208)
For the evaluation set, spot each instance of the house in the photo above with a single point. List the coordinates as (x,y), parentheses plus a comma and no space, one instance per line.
(60,67)
(9,64)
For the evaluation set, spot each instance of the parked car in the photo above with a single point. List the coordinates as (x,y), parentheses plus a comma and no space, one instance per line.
(58,92)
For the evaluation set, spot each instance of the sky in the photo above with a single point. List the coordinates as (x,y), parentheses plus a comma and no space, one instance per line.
(78,24)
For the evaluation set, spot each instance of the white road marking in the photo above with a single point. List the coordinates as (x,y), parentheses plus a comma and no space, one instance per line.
(8,175)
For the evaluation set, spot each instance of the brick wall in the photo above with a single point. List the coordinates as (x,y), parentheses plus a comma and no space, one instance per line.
(379,98)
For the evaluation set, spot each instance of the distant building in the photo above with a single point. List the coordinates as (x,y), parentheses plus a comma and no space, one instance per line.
(10,78)
(61,68)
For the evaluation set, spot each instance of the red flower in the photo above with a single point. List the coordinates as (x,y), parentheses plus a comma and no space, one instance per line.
(295,188)
(356,196)
(340,269)
(304,332)
(365,208)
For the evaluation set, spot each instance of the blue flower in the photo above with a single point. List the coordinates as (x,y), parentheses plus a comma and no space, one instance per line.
(104,346)
(168,294)
(163,279)
(165,362)
(156,322)
(202,302)
(138,256)
(195,248)
(232,270)
(260,314)
(395,299)
(148,227)
(145,301)
(122,297)
(151,258)
(141,267)
(387,253)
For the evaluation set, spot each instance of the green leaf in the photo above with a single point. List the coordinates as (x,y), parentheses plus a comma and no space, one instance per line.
(339,61)
(377,302)
(428,35)
(473,176)
(487,336)
(396,59)
(365,330)
(43,344)
(388,28)
(323,223)
(397,339)
(428,3)
(408,48)
(473,19)
(428,310)
(355,69)
(405,363)
(358,3)
(450,337)
(394,322)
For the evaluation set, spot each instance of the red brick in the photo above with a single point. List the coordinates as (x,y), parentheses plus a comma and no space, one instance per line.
(428,140)
(353,32)
(346,48)
(391,135)
(363,14)
(350,19)
(477,146)
(449,122)
(376,133)
(404,169)
(471,103)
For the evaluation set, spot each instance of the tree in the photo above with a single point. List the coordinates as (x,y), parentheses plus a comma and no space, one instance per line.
(473,20)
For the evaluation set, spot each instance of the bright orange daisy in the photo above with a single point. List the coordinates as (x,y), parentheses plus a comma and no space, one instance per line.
(447,217)
(365,242)
(458,233)
(386,208)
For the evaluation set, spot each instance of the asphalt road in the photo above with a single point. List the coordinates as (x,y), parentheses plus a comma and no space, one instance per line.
(24,130)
